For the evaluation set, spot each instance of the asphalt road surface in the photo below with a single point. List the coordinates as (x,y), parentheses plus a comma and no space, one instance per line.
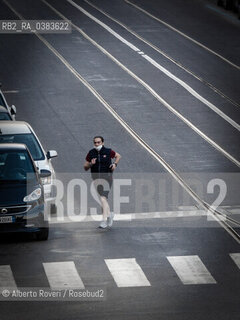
(160,81)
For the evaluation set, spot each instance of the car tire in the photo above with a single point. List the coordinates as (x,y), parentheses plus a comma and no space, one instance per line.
(42,235)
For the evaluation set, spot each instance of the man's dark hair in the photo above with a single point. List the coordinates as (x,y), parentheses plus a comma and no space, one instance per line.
(100,137)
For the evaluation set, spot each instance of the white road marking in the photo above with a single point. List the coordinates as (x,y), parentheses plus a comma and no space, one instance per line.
(6,278)
(154,47)
(183,34)
(159,67)
(191,270)
(129,216)
(236,258)
(115,34)
(194,93)
(153,153)
(127,273)
(63,275)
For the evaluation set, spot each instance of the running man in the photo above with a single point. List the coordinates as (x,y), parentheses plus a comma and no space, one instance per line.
(99,160)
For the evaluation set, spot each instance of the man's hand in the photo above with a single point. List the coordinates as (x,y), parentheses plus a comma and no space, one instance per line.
(93,161)
(113,166)
(87,164)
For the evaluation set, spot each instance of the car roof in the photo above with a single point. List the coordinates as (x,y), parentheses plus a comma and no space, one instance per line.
(13,146)
(14,127)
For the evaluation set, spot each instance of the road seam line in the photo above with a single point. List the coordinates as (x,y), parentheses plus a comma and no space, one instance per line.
(154,47)
(158,66)
(183,34)
(153,92)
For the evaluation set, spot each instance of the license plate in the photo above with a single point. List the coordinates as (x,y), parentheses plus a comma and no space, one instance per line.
(6,219)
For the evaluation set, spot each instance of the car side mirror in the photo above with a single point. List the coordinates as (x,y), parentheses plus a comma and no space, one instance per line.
(44,173)
(13,110)
(51,154)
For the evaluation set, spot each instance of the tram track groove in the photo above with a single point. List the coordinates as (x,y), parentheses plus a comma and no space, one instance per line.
(167,56)
(149,89)
(158,66)
(183,34)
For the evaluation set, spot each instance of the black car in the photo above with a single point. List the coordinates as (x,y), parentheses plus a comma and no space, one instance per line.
(21,192)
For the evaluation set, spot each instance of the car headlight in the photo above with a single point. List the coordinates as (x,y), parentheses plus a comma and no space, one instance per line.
(35,195)
(46,180)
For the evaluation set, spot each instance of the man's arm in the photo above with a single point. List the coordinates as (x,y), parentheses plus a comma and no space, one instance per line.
(87,164)
(117,158)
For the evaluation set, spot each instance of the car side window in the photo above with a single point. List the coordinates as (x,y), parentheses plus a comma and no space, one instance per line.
(15,166)
(4,116)
(28,139)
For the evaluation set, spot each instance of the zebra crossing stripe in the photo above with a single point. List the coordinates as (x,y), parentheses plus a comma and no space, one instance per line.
(236,258)
(6,277)
(127,273)
(63,275)
(191,270)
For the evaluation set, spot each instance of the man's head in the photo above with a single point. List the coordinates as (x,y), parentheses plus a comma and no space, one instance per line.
(98,142)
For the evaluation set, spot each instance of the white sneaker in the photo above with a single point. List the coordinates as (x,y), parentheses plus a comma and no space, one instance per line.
(103,224)
(110,219)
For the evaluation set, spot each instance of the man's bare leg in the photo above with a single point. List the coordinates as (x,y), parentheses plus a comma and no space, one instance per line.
(105,208)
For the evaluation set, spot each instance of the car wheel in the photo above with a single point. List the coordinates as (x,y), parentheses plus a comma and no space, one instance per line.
(42,234)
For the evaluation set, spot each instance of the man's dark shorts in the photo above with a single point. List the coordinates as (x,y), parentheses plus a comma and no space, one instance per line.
(104,186)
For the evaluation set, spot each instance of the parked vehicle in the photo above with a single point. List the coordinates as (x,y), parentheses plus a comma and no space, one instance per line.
(21,192)
(22,132)
(3,102)
(5,114)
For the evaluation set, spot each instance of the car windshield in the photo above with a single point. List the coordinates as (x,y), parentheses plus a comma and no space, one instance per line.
(4,116)
(28,139)
(16,166)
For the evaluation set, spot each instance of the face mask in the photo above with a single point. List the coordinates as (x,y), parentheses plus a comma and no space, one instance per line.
(98,148)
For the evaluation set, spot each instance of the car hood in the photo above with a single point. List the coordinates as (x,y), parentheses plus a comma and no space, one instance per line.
(13,193)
